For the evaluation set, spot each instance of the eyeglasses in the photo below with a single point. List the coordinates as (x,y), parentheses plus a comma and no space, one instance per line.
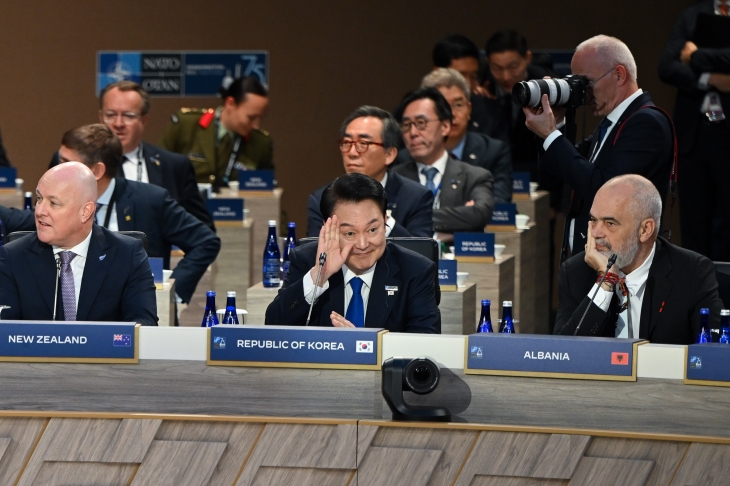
(591,84)
(361,146)
(128,117)
(419,123)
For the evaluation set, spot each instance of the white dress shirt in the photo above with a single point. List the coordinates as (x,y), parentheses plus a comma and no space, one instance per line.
(636,285)
(101,213)
(389,219)
(367,279)
(77,264)
(440,165)
(132,163)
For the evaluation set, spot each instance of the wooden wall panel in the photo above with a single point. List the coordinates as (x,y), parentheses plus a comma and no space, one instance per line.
(599,471)
(23,434)
(704,464)
(397,467)
(267,476)
(505,481)
(179,463)
(84,474)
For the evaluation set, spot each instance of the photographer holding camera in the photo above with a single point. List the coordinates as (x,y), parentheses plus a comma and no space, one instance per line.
(634,137)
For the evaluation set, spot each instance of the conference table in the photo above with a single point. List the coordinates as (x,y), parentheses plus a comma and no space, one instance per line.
(173,419)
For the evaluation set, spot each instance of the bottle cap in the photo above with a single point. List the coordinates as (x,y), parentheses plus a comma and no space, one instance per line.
(292,224)
(704,311)
(272,222)
(231,293)
(28,194)
(486,302)
(210,293)
(725,312)
(507,303)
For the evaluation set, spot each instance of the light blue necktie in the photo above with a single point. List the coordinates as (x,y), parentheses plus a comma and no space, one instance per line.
(356,310)
(430,173)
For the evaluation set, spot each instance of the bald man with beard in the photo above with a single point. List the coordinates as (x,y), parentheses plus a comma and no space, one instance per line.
(102,276)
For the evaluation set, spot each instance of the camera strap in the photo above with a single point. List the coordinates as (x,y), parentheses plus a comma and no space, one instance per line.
(674,175)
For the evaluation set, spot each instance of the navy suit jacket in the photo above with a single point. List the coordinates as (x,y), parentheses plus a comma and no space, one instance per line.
(672,70)
(411,205)
(175,173)
(117,284)
(645,146)
(680,283)
(150,209)
(460,183)
(489,153)
(411,308)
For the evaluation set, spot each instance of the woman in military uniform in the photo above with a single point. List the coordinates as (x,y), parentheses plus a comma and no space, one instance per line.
(221,141)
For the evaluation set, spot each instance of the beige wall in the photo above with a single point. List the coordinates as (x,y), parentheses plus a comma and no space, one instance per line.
(326,59)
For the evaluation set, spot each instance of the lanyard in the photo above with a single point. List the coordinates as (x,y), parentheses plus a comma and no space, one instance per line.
(112,201)
(140,161)
(234,152)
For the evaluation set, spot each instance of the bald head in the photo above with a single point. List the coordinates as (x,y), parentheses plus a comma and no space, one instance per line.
(610,52)
(66,202)
(644,201)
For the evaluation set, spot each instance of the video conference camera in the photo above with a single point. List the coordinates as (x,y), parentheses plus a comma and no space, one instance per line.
(569,91)
(418,375)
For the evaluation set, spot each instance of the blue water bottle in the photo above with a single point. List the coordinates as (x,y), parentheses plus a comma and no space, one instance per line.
(210,319)
(291,242)
(507,326)
(272,259)
(705,335)
(28,204)
(725,326)
(230,317)
(485,320)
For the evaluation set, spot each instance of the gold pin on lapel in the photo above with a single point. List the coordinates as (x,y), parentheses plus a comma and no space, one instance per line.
(128,218)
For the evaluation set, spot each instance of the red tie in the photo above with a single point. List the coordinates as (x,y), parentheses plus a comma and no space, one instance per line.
(723,9)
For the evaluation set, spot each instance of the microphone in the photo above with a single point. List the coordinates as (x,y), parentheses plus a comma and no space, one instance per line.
(611,262)
(55,295)
(322,259)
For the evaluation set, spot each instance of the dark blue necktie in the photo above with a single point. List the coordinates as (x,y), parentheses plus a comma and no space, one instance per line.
(602,129)
(430,173)
(356,309)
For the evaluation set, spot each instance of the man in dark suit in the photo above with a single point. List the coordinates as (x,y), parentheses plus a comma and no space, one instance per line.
(474,148)
(702,76)
(654,290)
(633,138)
(124,107)
(462,193)
(368,142)
(101,276)
(366,281)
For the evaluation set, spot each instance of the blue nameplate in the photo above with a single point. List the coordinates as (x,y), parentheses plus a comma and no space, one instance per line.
(156,266)
(474,247)
(295,347)
(707,364)
(521,183)
(256,180)
(79,342)
(585,358)
(7,176)
(447,275)
(223,209)
(504,215)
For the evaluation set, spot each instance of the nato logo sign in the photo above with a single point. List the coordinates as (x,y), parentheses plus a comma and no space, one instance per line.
(180,73)
(295,347)
(224,209)
(255,180)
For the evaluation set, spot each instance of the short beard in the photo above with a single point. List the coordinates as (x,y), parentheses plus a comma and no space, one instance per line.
(624,256)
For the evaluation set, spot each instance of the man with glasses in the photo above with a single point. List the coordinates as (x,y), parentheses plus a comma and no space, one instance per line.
(633,136)
(124,107)
(463,198)
(368,142)
(473,148)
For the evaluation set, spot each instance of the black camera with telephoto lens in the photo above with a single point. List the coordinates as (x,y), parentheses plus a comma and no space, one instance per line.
(569,91)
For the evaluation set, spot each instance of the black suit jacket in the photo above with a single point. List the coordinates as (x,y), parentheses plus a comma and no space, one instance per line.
(117,284)
(673,71)
(411,205)
(460,183)
(645,146)
(175,173)
(680,283)
(411,308)
(150,209)
(489,153)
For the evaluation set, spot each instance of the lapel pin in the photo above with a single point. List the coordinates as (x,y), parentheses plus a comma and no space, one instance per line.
(391,289)
(472,156)
(157,162)
(102,257)
(454,182)
(128,218)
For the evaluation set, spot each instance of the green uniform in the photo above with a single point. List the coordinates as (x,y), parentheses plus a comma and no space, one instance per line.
(196,133)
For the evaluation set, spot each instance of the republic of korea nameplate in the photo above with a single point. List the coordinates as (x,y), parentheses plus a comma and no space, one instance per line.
(295,347)
(69,342)
(534,355)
